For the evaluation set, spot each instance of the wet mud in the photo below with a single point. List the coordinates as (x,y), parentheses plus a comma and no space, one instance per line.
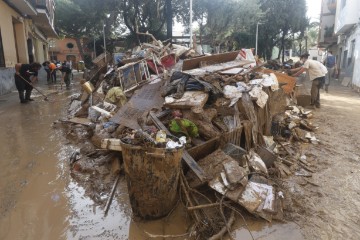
(331,209)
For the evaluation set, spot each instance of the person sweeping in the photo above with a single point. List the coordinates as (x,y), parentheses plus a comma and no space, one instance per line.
(23,80)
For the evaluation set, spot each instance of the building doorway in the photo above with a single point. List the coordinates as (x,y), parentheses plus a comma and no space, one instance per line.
(30,47)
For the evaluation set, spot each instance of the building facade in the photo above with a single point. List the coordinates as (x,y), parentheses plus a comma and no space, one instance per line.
(64,50)
(25,27)
(327,38)
(347,30)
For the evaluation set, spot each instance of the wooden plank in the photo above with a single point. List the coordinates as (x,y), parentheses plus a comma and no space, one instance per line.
(143,100)
(204,149)
(217,67)
(216,58)
(199,172)
(82,121)
(111,144)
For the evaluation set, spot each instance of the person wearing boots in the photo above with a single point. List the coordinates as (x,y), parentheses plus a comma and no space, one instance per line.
(23,82)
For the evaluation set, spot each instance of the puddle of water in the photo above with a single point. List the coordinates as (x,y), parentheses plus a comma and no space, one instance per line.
(267,231)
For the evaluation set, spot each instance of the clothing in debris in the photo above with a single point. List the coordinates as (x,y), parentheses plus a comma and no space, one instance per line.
(183,127)
(116,96)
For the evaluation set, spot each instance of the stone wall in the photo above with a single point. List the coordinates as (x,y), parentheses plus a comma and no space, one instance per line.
(7,82)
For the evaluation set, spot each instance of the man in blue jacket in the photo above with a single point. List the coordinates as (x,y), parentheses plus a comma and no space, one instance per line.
(330,63)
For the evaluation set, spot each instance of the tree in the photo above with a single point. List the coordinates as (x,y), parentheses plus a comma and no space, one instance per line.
(219,20)
(85,18)
(283,19)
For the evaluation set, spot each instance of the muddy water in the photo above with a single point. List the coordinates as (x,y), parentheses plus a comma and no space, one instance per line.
(39,199)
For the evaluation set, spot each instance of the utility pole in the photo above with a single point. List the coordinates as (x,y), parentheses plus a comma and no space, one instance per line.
(257,37)
(104,42)
(191,33)
(169,14)
(94,50)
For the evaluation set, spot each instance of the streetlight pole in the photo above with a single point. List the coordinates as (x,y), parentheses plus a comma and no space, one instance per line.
(104,42)
(257,38)
(94,56)
(107,16)
(191,15)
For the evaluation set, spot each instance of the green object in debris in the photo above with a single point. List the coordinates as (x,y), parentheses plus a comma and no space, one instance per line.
(116,96)
(183,127)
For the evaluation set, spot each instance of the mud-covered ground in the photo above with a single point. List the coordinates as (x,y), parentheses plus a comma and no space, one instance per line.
(332,209)
(41,199)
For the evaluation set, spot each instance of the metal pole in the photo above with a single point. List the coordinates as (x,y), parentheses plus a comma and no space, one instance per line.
(94,49)
(191,15)
(257,33)
(104,42)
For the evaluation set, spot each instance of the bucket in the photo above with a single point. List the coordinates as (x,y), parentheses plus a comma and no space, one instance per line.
(88,87)
(152,176)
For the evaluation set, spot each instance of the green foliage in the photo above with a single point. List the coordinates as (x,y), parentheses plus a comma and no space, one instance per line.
(230,22)
(283,19)
(219,20)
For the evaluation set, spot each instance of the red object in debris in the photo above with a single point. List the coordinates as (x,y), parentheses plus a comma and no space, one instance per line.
(168,61)
(151,65)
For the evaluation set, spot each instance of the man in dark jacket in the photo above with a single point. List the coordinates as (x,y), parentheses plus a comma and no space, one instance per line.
(22,79)
(67,73)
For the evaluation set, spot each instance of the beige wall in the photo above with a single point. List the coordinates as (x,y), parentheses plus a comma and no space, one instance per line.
(7,33)
(40,54)
(21,42)
(11,25)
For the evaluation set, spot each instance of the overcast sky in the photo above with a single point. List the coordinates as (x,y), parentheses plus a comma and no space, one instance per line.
(314,9)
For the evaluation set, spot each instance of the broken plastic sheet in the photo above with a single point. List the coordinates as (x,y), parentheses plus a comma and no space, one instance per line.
(172,144)
(233,93)
(247,54)
(255,197)
(257,163)
(188,100)
(243,87)
(260,95)
(270,81)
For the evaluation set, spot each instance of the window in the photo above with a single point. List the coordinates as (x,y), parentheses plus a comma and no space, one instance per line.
(2,57)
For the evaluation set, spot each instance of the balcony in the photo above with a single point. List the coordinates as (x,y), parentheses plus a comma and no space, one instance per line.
(347,16)
(327,36)
(25,7)
(45,17)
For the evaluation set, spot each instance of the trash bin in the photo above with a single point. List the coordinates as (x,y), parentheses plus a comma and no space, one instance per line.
(80,66)
(152,176)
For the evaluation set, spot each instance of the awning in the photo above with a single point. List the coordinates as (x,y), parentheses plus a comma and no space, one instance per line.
(23,6)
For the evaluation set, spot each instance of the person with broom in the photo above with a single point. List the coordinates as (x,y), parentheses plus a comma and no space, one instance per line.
(23,80)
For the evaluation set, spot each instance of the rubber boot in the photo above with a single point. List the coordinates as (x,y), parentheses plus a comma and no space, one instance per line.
(22,98)
(27,96)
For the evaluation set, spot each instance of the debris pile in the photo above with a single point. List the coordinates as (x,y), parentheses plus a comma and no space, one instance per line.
(235,123)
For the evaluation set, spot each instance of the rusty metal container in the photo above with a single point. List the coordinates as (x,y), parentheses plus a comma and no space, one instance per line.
(152,176)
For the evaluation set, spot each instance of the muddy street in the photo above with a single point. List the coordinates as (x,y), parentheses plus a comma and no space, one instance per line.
(38,197)
(332,209)
(40,200)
